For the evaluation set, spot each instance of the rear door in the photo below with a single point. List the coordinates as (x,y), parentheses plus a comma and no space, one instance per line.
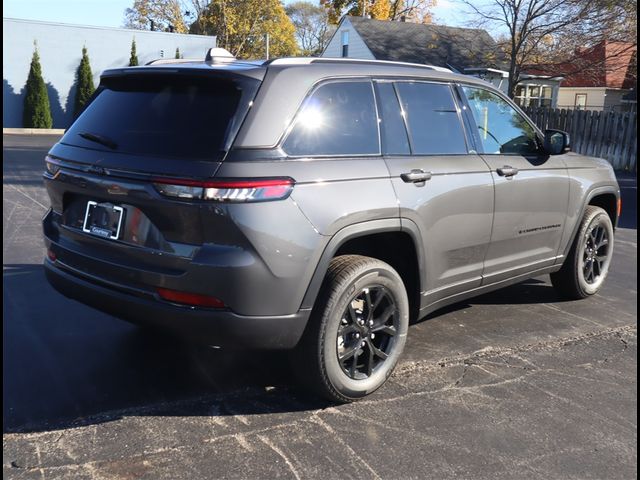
(531,188)
(443,187)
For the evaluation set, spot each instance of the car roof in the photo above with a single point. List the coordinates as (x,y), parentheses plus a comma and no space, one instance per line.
(322,66)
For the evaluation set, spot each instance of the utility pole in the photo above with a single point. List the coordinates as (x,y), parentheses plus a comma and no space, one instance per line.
(266,41)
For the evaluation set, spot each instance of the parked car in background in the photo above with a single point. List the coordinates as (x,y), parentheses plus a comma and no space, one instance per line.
(317,205)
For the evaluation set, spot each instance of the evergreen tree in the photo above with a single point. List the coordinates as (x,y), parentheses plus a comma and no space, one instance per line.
(85,86)
(178,53)
(37,111)
(133,60)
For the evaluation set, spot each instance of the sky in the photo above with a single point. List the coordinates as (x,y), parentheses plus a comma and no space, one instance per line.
(110,13)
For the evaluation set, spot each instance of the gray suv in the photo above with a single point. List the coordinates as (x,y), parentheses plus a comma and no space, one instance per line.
(316,205)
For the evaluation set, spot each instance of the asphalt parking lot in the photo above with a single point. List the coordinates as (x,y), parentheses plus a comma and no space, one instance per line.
(514,384)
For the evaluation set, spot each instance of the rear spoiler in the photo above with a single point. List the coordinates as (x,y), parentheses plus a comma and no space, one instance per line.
(235,70)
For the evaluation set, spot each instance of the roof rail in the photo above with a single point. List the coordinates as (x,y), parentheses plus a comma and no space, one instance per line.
(161,61)
(289,61)
(310,60)
(374,62)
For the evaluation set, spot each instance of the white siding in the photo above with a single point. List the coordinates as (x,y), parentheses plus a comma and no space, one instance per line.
(598,98)
(357,47)
(60,47)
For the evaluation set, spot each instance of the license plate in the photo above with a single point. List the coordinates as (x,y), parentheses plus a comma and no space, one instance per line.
(103,220)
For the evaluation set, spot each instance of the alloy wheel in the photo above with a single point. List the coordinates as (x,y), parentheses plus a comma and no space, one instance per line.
(366,335)
(595,254)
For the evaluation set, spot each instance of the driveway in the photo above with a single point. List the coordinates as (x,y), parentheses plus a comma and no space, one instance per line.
(513,384)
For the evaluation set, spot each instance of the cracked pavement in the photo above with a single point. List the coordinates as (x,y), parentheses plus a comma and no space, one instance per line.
(513,384)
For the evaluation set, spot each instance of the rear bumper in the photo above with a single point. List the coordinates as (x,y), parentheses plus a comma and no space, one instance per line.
(215,327)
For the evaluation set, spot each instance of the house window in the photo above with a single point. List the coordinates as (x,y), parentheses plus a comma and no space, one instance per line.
(581,101)
(345,43)
(534,95)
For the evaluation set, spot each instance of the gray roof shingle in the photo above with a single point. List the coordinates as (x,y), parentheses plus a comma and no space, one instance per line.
(437,45)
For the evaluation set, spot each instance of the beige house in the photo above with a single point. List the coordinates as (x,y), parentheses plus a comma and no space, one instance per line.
(602,78)
(592,98)
(531,91)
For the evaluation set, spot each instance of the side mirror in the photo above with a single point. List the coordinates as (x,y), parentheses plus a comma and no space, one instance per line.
(556,142)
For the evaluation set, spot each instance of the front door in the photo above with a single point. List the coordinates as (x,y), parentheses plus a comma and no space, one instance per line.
(531,188)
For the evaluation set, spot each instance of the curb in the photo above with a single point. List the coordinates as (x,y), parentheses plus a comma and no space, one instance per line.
(33,131)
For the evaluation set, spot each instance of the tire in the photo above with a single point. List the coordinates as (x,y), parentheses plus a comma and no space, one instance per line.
(585,268)
(361,314)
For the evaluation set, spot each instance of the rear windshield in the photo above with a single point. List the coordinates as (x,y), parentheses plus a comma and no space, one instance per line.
(169,116)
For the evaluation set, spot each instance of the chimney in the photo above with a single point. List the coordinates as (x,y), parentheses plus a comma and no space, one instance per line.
(403,18)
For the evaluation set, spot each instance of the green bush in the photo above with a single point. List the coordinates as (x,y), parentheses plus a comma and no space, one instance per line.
(84,78)
(37,111)
(133,60)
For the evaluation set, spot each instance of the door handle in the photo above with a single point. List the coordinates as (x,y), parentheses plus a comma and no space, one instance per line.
(507,171)
(415,176)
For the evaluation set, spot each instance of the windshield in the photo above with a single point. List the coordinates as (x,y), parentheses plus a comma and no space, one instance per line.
(169,115)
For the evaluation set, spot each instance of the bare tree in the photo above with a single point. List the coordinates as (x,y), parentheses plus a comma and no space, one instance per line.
(548,31)
(313,30)
(166,15)
(418,11)
(162,15)
(412,10)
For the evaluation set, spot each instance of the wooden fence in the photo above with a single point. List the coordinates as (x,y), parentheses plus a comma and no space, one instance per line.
(609,135)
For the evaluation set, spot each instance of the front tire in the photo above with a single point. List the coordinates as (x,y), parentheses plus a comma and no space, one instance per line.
(587,265)
(357,330)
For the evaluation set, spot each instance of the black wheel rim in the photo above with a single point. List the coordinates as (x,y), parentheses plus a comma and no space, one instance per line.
(596,254)
(366,335)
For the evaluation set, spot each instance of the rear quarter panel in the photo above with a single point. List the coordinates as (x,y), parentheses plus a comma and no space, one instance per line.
(330,194)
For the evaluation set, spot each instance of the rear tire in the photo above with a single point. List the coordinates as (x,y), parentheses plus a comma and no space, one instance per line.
(586,267)
(356,332)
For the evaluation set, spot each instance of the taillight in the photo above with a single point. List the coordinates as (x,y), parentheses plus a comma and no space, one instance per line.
(238,191)
(191,299)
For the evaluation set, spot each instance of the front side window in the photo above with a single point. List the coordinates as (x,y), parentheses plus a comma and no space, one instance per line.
(501,129)
(339,118)
(432,119)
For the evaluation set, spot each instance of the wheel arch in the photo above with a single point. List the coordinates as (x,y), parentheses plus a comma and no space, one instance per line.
(372,239)
(608,201)
(605,197)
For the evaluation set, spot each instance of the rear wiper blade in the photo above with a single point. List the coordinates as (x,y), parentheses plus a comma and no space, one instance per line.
(92,137)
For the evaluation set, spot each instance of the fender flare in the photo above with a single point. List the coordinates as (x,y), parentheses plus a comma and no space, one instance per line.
(360,230)
(594,192)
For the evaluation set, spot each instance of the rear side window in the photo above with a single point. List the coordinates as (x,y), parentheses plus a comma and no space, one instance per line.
(169,116)
(339,118)
(432,118)
(393,131)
